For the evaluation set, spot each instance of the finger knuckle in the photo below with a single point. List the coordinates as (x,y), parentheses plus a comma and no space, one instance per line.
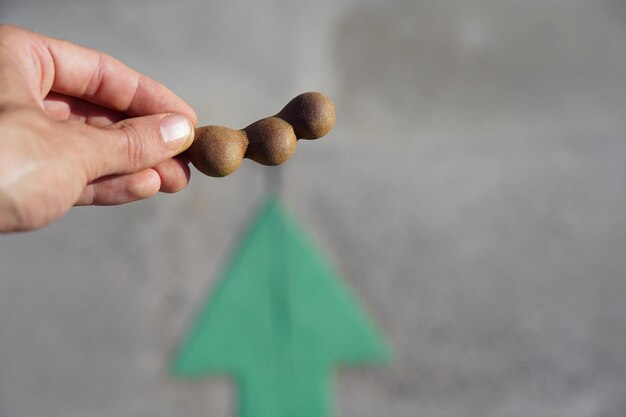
(134,145)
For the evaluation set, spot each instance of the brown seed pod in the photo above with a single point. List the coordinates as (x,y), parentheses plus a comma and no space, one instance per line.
(218,151)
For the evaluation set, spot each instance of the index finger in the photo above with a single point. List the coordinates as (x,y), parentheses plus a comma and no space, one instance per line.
(101,79)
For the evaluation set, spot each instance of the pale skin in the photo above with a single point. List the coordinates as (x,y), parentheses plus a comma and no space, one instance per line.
(79,127)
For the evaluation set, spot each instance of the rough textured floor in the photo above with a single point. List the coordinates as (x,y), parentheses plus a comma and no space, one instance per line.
(473,194)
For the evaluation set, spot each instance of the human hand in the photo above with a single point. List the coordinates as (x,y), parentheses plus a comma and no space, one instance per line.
(81,128)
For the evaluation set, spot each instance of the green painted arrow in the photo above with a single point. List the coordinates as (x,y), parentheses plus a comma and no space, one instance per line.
(279,320)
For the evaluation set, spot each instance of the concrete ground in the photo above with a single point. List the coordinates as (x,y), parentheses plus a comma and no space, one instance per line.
(473,193)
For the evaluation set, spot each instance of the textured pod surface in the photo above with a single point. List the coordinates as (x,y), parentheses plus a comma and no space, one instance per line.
(311,114)
(217,151)
(272,141)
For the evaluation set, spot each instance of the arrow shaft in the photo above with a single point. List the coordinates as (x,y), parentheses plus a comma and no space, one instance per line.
(282,388)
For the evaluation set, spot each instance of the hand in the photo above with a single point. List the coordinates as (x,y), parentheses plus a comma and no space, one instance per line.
(79,128)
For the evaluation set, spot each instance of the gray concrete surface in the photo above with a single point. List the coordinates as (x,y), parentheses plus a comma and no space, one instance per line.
(473,194)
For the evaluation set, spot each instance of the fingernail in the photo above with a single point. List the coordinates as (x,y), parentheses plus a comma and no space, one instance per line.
(176,131)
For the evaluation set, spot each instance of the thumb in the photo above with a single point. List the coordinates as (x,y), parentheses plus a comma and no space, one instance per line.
(138,143)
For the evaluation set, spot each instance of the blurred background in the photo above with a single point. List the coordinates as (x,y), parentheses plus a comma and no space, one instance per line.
(472,193)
